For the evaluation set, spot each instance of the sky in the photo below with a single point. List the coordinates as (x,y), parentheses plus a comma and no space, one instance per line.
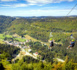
(37,7)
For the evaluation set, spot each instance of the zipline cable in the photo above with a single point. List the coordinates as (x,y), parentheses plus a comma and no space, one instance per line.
(71,10)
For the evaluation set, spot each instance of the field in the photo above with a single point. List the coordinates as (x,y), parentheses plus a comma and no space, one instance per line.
(8,36)
(1,41)
(1,36)
(30,38)
(20,39)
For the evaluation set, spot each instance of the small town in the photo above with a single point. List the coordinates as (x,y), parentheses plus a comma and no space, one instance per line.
(24,49)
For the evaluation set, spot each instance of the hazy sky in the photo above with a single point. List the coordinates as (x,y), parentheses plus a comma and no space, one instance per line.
(37,7)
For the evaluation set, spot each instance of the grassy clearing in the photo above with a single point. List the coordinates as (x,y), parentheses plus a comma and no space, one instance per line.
(30,38)
(2,36)
(8,36)
(1,41)
(20,39)
(16,35)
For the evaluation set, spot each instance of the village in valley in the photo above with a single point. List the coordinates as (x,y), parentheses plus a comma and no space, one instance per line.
(23,43)
(25,48)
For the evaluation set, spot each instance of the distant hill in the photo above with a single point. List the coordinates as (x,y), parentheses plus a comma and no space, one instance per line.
(36,17)
(5,22)
(38,31)
(38,27)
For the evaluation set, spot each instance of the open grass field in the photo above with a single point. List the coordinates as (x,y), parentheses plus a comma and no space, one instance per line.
(16,35)
(20,39)
(1,41)
(30,38)
(8,36)
(2,36)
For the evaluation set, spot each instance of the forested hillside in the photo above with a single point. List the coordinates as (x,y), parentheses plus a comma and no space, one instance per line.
(7,51)
(13,33)
(41,28)
(29,63)
(5,22)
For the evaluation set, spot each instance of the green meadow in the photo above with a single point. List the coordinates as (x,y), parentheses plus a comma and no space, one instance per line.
(20,39)
(2,36)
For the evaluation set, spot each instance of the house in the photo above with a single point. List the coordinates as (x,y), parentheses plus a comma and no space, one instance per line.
(29,50)
(35,54)
(27,41)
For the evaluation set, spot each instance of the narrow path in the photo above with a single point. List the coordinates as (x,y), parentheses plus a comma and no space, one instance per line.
(58,59)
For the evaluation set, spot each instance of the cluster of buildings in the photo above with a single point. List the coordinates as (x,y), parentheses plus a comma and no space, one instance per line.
(18,44)
(23,46)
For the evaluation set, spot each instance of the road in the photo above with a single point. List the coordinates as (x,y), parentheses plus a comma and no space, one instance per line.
(58,59)
(20,56)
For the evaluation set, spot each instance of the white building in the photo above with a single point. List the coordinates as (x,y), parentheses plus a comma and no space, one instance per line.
(35,54)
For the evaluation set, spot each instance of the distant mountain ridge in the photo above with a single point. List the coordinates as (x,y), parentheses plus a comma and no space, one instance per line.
(45,16)
(38,16)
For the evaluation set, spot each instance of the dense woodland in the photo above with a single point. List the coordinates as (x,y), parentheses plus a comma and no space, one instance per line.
(58,51)
(5,22)
(7,51)
(40,28)
(29,63)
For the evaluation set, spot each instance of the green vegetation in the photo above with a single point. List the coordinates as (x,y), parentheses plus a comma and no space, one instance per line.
(29,63)
(41,28)
(10,37)
(59,36)
(7,51)
(32,64)
(5,22)
(38,31)
(33,39)
(20,39)
(58,51)
(1,41)
(30,38)
(2,36)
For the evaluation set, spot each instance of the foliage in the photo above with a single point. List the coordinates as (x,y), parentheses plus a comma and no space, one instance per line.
(19,39)
(23,65)
(57,51)
(7,51)
(5,22)
(39,29)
